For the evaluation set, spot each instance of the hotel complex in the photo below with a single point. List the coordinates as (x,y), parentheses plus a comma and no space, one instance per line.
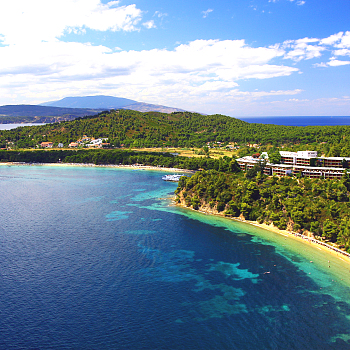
(305,163)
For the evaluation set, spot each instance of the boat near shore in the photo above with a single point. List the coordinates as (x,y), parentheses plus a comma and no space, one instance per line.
(173,178)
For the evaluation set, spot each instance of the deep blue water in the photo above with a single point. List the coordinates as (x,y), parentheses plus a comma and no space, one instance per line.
(299,121)
(97,258)
(292,121)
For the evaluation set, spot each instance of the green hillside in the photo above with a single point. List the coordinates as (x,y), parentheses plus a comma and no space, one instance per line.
(182,129)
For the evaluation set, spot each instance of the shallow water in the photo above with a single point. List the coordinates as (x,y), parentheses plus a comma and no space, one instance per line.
(95,258)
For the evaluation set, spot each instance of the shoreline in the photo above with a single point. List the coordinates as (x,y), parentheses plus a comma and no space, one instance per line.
(91,165)
(327,248)
(341,254)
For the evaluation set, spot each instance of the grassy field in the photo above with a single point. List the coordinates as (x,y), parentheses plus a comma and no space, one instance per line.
(193,152)
(185,152)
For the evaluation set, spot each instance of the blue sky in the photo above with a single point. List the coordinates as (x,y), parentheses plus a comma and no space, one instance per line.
(238,58)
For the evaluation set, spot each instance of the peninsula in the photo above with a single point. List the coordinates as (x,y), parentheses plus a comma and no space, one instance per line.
(313,208)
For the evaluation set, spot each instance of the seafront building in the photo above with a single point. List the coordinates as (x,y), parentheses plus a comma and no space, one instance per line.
(305,163)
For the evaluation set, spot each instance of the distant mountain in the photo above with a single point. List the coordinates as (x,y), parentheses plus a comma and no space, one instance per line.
(41,114)
(95,102)
(146,107)
(70,108)
(109,102)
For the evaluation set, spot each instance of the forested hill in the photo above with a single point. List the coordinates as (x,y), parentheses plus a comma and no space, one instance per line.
(130,128)
(179,129)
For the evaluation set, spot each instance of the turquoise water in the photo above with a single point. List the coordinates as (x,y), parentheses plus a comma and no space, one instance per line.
(98,258)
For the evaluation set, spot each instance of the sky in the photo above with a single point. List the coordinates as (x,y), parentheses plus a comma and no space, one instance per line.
(234,57)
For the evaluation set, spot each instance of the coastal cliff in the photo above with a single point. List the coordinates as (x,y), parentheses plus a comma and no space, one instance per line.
(305,236)
(206,208)
(312,208)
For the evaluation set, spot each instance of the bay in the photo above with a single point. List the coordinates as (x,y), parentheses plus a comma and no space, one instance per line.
(99,258)
(14,126)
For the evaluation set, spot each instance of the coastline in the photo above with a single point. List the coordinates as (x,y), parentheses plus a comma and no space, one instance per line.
(302,238)
(316,244)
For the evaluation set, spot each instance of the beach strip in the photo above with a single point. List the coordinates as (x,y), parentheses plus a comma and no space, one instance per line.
(340,254)
(91,165)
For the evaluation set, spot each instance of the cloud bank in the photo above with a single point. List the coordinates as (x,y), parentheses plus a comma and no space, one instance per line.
(38,63)
(23,21)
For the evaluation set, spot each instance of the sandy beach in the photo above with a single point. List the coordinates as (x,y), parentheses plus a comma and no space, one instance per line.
(90,165)
(302,238)
(317,244)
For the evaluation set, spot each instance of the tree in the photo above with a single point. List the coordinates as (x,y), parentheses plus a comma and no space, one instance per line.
(245,210)
(275,157)
(252,191)
(206,151)
(330,230)
(252,172)
(220,206)
(195,203)
(346,180)
(298,217)
(344,233)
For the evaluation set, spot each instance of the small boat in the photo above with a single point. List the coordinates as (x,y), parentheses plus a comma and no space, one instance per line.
(174,178)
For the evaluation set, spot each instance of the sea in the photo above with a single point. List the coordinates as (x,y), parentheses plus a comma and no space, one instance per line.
(291,121)
(100,258)
(299,121)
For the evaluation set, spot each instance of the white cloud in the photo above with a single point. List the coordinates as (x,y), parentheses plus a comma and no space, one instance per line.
(200,68)
(342,52)
(331,40)
(37,65)
(302,49)
(259,94)
(309,48)
(320,65)
(299,2)
(24,21)
(335,63)
(206,13)
(160,14)
(149,24)
(345,41)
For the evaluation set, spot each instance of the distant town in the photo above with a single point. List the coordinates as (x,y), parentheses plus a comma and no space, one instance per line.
(85,141)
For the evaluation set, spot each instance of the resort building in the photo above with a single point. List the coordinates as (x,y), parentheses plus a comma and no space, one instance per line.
(336,162)
(297,158)
(304,163)
(279,169)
